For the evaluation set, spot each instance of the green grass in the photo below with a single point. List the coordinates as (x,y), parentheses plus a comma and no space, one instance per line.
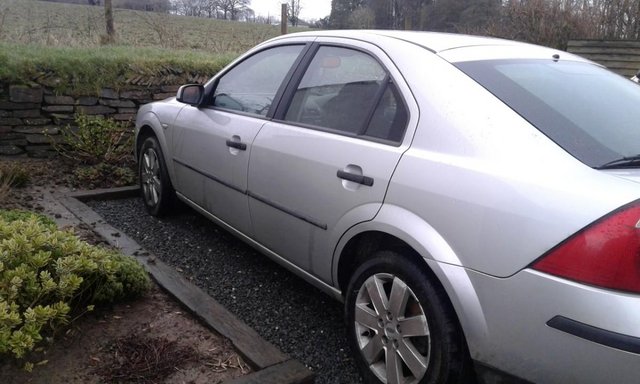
(87,70)
(59,45)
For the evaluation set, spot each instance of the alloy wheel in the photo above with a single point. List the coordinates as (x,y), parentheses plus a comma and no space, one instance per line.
(150,177)
(392,331)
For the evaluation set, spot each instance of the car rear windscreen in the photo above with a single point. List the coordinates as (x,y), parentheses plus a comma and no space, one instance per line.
(589,111)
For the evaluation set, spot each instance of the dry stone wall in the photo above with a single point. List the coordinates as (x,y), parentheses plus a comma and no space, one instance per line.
(31,116)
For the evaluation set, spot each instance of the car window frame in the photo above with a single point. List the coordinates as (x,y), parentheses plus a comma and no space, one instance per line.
(212,85)
(290,91)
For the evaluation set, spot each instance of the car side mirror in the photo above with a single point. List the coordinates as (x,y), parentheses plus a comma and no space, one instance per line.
(191,94)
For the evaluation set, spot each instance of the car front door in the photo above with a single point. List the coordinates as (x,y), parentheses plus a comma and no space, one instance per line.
(212,142)
(324,163)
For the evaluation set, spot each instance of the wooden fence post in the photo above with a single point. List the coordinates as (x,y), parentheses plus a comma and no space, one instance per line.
(283,20)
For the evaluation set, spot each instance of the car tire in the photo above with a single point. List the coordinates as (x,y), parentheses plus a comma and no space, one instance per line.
(416,320)
(157,192)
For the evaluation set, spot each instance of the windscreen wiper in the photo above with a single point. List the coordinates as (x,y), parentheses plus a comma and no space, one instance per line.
(623,162)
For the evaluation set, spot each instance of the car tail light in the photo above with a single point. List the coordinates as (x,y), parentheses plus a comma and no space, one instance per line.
(605,254)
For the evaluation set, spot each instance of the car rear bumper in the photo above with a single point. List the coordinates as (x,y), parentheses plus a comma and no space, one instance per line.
(549,330)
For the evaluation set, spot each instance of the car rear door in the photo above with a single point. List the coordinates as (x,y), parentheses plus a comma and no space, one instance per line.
(212,142)
(324,163)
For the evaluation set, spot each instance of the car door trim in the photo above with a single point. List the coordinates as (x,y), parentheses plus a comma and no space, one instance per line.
(210,176)
(288,211)
(597,335)
(307,276)
(264,200)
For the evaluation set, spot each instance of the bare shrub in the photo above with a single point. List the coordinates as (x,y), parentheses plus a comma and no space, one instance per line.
(5,9)
(555,22)
(167,33)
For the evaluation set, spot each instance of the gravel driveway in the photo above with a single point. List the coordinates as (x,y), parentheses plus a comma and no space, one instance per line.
(302,321)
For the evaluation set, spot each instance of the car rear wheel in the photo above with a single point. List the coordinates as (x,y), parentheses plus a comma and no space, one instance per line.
(157,191)
(401,326)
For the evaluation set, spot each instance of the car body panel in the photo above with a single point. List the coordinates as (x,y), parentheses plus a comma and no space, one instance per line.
(520,342)
(208,171)
(160,116)
(306,174)
(479,173)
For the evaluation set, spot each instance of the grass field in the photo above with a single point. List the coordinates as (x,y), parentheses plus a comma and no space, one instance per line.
(63,41)
(69,25)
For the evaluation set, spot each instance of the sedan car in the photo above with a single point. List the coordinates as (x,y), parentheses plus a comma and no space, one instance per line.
(474,202)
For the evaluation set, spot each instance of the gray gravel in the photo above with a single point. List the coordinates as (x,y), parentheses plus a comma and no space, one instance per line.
(302,321)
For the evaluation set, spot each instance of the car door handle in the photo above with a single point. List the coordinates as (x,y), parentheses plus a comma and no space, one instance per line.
(237,145)
(360,179)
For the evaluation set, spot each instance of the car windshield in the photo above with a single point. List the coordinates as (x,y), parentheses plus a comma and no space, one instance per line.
(592,113)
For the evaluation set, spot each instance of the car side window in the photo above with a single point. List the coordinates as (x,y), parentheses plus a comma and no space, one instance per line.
(348,91)
(251,86)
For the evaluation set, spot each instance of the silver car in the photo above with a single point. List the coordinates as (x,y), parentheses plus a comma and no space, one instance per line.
(473,201)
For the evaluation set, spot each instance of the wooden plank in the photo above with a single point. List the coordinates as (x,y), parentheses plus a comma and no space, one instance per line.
(621,65)
(604,43)
(105,194)
(613,58)
(598,51)
(253,348)
(258,352)
(291,372)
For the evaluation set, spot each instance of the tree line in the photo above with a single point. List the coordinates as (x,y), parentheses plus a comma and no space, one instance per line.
(547,22)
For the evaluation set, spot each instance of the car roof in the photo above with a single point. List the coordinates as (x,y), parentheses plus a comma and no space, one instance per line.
(433,41)
(452,47)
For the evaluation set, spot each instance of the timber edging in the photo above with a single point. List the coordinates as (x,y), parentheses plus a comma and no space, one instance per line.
(271,366)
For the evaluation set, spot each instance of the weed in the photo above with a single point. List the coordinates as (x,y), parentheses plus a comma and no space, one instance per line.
(102,175)
(96,140)
(13,175)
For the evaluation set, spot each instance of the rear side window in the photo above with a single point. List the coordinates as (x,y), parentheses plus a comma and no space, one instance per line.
(348,91)
(592,113)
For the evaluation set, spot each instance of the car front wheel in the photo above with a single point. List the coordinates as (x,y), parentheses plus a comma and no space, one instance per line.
(401,326)
(157,191)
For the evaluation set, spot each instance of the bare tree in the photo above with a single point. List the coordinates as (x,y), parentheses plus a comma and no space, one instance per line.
(293,9)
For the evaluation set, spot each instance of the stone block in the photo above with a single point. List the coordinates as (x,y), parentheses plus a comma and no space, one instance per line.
(25,94)
(62,120)
(128,110)
(42,121)
(87,100)
(59,100)
(10,150)
(108,93)
(17,142)
(7,105)
(135,95)
(41,151)
(5,113)
(162,96)
(118,103)
(48,129)
(4,129)
(10,121)
(124,117)
(58,108)
(170,89)
(27,113)
(11,136)
(43,139)
(96,110)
